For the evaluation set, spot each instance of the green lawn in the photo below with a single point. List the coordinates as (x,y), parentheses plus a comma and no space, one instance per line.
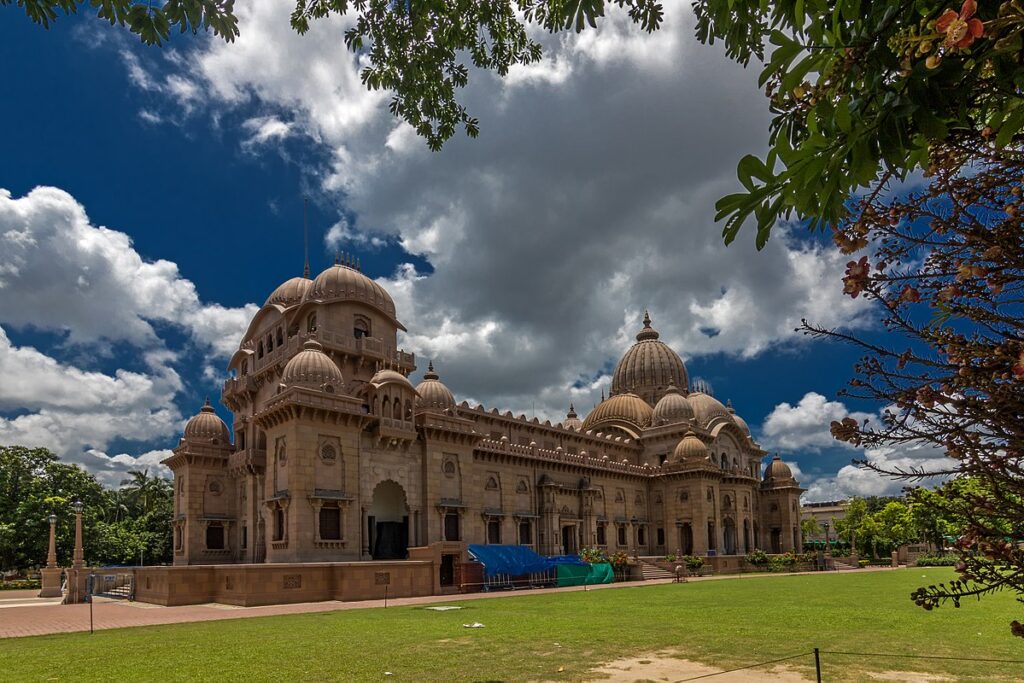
(723,623)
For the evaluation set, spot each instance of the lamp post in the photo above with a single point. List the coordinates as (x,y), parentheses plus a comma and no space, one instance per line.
(79,558)
(50,576)
(825,525)
(77,579)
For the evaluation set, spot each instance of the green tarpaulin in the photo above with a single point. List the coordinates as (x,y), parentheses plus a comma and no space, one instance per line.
(574,575)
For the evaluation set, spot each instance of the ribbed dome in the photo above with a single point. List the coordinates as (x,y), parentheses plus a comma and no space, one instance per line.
(433,394)
(706,408)
(312,368)
(383,377)
(649,367)
(343,282)
(625,407)
(572,420)
(672,408)
(778,472)
(207,425)
(290,292)
(740,422)
(690,448)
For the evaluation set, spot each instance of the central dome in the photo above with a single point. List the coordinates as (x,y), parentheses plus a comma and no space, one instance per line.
(343,282)
(207,426)
(649,367)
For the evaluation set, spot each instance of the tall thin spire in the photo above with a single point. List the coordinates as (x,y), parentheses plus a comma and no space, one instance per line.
(305,237)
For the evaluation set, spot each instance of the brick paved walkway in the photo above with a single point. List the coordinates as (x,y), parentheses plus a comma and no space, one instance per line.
(29,616)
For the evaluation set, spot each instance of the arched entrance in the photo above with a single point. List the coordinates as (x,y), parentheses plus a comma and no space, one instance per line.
(730,536)
(388,522)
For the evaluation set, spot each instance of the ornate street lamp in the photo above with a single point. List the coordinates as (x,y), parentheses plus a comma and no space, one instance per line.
(825,525)
(78,560)
(50,576)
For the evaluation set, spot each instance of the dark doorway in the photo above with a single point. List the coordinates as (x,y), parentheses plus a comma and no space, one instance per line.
(568,540)
(390,540)
(447,570)
(388,522)
(776,540)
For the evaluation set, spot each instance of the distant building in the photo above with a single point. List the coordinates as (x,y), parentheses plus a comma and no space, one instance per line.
(333,455)
(824,513)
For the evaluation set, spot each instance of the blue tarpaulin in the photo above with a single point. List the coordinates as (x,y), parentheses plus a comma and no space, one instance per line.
(516,560)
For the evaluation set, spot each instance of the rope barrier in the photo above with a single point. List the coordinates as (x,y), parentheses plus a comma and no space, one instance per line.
(958,659)
(749,666)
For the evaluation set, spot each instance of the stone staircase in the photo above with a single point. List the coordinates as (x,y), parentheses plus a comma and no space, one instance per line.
(653,571)
(841,565)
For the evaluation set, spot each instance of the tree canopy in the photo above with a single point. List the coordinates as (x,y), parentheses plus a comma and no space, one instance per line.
(116,524)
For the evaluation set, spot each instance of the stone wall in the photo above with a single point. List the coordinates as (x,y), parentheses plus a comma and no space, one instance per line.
(268,584)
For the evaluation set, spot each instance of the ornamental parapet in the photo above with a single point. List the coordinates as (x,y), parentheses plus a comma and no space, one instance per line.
(559,456)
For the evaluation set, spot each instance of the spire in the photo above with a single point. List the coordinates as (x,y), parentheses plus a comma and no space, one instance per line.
(728,404)
(430,374)
(305,237)
(337,258)
(648,332)
(207,406)
(572,412)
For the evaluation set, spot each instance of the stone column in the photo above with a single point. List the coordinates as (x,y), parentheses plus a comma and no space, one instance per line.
(78,577)
(51,574)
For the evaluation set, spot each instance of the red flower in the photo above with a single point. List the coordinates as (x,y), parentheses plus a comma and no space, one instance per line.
(961,28)
(1018,368)
(856,276)
(910,294)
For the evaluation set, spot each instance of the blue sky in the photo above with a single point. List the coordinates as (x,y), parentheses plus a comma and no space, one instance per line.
(521,261)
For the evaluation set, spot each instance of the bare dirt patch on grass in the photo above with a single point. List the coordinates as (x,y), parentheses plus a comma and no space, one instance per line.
(663,667)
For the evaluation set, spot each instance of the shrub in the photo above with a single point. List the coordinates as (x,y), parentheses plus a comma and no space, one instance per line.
(693,563)
(618,561)
(593,556)
(671,558)
(937,561)
(758,558)
(863,563)
(19,584)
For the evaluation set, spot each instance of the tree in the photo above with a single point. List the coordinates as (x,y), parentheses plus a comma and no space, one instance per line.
(151,22)
(35,484)
(809,527)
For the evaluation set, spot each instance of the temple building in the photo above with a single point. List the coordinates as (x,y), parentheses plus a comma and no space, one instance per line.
(334,455)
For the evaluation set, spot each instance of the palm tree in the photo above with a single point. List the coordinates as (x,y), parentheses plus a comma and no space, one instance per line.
(139,488)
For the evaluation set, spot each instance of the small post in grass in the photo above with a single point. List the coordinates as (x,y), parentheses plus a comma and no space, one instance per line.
(817,664)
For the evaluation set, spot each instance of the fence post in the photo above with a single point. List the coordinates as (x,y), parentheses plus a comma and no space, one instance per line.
(817,664)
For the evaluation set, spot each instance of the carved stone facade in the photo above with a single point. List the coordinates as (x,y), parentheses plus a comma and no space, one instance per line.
(335,456)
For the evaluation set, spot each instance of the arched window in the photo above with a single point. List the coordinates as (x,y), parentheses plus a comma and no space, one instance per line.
(727,503)
(259,350)
(280,337)
(385,407)
(311,323)
(279,524)
(735,464)
(245,368)
(361,327)
(270,342)
(408,409)
(725,461)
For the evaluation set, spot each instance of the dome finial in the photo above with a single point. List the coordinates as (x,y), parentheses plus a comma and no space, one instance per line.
(207,406)
(430,374)
(572,411)
(648,332)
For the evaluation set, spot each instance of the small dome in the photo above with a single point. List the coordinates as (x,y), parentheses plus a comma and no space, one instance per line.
(740,422)
(343,282)
(622,407)
(572,420)
(778,472)
(706,408)
(649,367)
(207,426)
(672,408)
(433,395)
(390,377)
(312,368)
(690,448)
(290,292)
